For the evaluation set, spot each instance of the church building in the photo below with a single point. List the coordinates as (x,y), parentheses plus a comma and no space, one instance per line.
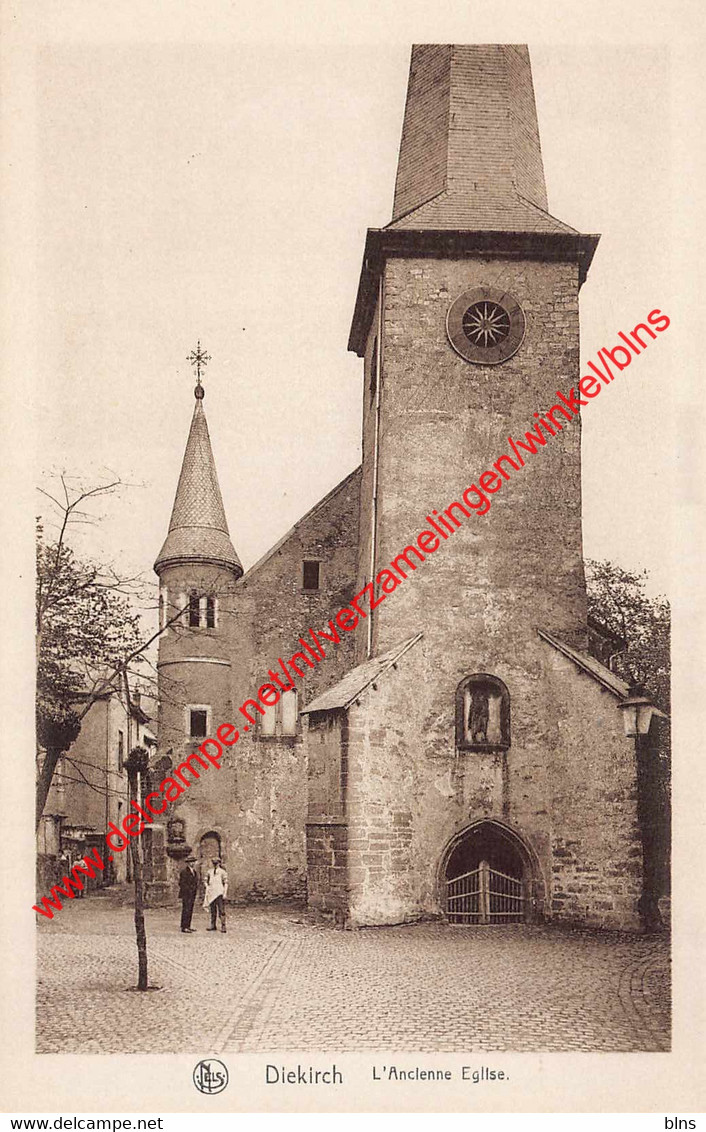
(462,753)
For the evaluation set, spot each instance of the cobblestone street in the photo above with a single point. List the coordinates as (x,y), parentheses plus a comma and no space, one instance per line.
(278,983)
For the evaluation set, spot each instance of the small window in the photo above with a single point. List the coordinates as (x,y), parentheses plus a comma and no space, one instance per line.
(210,613)
(311,574)
(268,721)
(194,611)
(161,611)
(281,718)
(198,723)
(288,712)
(121,749)
(374,372)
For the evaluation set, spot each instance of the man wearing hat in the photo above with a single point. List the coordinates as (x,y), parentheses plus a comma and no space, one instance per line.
(188,884)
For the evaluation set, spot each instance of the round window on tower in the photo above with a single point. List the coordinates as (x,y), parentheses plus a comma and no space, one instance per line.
(485,326)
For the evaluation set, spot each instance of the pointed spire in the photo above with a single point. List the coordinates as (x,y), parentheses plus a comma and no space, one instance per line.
(198,531)
(470,177)
(470,157)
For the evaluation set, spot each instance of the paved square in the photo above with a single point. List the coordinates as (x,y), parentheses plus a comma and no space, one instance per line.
(277,983)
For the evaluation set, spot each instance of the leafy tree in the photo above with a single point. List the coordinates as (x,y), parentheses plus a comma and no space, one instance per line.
(617,598)
(86,631)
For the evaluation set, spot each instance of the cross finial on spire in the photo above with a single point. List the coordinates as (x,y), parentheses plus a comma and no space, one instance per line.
(200,359)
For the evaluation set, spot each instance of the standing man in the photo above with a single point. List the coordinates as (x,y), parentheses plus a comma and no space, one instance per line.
(216,893)
(188,884)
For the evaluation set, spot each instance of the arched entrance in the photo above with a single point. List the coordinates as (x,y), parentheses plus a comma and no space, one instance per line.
(487,876)
(209,847)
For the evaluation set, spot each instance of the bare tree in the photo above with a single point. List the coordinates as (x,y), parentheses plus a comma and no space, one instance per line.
(89,635)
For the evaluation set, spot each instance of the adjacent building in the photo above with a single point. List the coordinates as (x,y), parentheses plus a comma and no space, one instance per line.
(90,789)
(463,752)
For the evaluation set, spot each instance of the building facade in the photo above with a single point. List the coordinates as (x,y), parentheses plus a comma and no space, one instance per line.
(89,790)
(462,753)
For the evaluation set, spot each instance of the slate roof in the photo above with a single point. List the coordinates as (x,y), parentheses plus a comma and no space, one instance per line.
(470,156)
(347,690)
(198,530)
(589,665)
(470,175)
(478,211)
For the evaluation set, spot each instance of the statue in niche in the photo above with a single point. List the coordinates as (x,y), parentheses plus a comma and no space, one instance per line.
(478,715)
(482,713)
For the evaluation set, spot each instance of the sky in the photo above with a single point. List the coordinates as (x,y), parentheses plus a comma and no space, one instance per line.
(221,192)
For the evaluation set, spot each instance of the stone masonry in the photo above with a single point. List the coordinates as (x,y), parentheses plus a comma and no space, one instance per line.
(463,731)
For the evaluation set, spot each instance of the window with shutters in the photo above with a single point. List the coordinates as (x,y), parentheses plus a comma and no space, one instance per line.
(281,718)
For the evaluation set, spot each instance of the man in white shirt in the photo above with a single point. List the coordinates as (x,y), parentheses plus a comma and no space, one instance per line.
(216,893)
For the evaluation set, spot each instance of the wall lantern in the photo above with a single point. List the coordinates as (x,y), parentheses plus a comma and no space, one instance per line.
(638,711)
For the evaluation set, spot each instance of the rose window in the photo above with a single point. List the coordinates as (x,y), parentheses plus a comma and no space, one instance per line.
(486,324)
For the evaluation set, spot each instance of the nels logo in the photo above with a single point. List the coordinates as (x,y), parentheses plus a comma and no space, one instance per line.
(210,1076)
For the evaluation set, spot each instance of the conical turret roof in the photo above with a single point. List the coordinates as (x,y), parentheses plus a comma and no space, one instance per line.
(198,530)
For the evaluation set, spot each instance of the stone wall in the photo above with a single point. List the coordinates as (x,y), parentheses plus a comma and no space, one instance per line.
(274,609)
(478,601)
(443,423)
(327,859)
(596,845)
(326,830)
(566,788)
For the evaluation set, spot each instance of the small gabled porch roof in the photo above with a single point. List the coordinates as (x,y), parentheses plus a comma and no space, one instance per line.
(355,682)
(589,665)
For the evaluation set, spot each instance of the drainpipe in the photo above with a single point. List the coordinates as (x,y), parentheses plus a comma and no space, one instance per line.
(376,455)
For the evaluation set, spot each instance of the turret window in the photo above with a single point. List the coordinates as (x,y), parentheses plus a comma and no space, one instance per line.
(194,611)
(202,612)
(210,613)
(198,722)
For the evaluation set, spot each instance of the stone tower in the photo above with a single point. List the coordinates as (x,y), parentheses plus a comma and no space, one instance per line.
(470,222)
(198,568)
(478,760)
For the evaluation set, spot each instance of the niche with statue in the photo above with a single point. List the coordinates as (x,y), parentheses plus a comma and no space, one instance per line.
(482,714)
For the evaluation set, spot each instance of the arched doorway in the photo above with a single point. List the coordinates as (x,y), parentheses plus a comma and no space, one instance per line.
(209,847)
(487,876)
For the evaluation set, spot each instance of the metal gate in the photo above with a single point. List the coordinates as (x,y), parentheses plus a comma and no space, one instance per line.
(485,896)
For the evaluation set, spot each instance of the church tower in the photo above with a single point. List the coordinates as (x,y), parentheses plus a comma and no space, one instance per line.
(471,238)
(483,770)
(197,568)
